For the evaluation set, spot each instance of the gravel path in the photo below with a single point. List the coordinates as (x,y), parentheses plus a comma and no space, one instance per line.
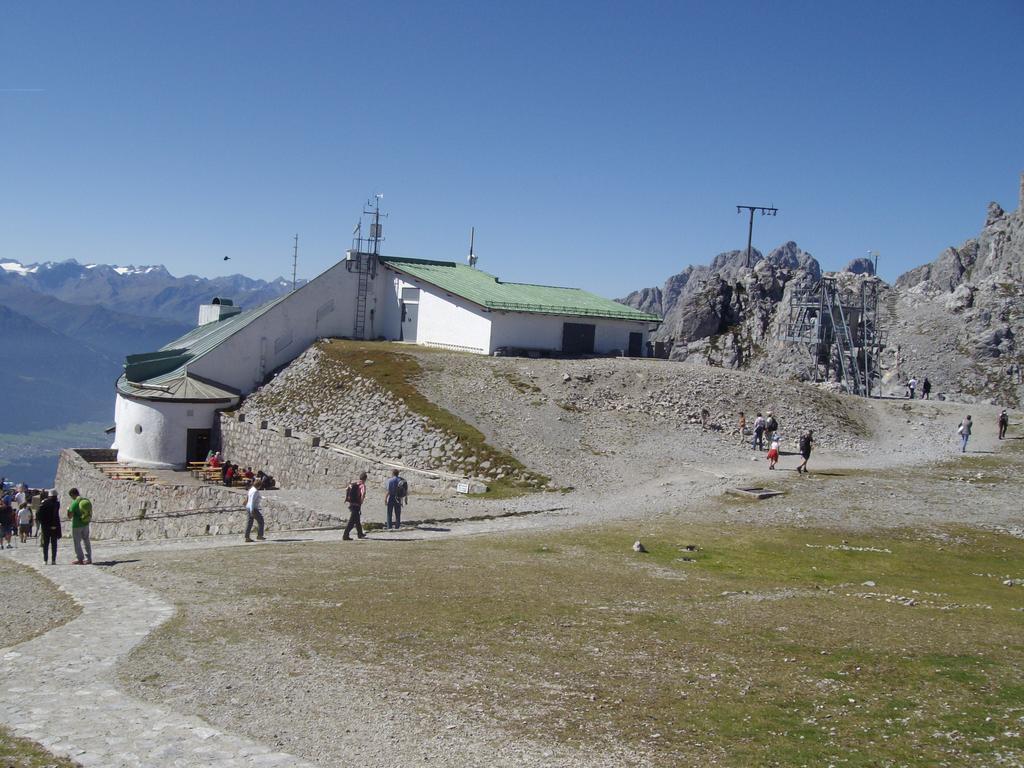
(59,689)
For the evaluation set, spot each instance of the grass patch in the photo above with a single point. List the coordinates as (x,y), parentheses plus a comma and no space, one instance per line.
(518,384)
(761,647)
(398,372)
(16,752)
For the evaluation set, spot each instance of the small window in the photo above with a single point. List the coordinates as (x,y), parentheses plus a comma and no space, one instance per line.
(410,294)
(138,429)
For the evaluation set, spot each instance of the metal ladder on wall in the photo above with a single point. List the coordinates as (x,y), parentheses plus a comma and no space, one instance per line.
(362,292)
(849,369)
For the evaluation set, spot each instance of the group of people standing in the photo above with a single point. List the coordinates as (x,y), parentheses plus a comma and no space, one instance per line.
(396,496)
(926,388)
(767,426)
(36,513)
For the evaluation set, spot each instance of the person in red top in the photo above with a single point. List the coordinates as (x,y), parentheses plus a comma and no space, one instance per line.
(215,460)
(355,494)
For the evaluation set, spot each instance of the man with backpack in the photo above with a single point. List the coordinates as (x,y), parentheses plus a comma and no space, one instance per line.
(1003,422)
(354,496)
(771,425)
(395,495)
(80,514)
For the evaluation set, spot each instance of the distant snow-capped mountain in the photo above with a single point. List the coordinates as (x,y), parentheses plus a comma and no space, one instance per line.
(146,290)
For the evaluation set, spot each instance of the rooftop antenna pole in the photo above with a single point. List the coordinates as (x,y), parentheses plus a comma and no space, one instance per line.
(874,255)
(750,230)
(376,232)
(472,239)
(295,259)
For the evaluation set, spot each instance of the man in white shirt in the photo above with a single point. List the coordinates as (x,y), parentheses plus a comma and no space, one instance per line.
(252,506)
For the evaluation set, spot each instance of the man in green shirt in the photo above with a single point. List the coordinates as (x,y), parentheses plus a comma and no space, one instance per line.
(80,515)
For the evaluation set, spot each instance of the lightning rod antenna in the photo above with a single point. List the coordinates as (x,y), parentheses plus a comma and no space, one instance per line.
(295,260)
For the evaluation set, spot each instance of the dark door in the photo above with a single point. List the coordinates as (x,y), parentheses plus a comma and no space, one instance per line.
(198,444)
(636,345)
(578,338)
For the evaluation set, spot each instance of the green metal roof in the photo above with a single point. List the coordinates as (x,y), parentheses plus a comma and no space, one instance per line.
(180,386)
(490,292)
(163,375)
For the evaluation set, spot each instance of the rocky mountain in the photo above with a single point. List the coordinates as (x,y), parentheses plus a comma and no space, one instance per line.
(147,291)
(66,328)
(960,318)
(957,320)
(722,313)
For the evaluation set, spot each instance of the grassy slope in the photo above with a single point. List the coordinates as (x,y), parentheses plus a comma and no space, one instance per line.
(397,373)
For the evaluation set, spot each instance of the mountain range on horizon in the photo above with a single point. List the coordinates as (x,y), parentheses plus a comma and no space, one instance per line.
(148,291)
(66,329)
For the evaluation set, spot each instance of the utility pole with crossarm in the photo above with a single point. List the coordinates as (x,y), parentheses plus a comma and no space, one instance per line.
(750,230)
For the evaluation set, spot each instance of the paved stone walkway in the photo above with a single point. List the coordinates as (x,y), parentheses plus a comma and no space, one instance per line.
(59,689)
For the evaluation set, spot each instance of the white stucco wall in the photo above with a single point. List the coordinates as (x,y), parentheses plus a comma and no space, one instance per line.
(162,441)
(614,334)
(452,322)
(284,332)
(388,290)
(513,329)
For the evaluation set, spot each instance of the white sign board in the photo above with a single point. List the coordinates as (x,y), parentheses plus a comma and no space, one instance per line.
(462,487)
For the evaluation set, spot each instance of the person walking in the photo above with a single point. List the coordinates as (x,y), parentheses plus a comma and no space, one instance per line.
(926,389)
(252,506)
(806,442)
(758,441)
(965,432)
(48,525)
(912,387)
(354,496)
(7,522)
(771,424)
(1004,422)
(742,427)
(24,522)
(80,515)
(395,494)
(773,451)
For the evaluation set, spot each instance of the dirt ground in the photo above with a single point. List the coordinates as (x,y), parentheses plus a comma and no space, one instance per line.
(858,619)
(29,604)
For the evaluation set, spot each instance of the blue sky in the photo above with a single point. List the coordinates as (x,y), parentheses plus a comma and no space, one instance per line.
(597,144)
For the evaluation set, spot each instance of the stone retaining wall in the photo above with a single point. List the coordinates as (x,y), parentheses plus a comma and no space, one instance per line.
(322,396)
(299,460)
(130,510)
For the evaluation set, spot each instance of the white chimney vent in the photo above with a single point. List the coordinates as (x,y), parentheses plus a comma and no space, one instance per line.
(216,310)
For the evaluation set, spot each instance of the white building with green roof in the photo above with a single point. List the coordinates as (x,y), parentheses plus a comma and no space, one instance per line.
(167,400)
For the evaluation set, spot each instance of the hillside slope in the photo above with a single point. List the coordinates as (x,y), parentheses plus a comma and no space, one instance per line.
(51,379)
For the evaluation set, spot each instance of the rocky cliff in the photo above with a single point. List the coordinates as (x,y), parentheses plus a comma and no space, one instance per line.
(723,313)
(956,320)
(960,319)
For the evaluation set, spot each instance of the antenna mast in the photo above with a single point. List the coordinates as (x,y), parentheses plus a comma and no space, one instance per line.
(295,260)
(472,238)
